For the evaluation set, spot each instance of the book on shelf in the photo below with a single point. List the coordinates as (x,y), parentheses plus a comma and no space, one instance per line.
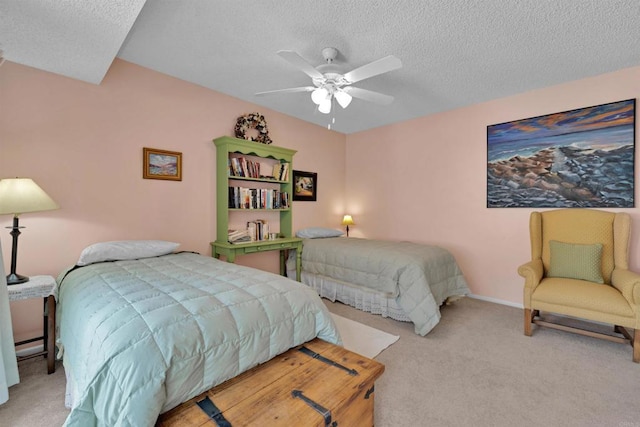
(246,198)
(239,236)
(235,167)
(281,171)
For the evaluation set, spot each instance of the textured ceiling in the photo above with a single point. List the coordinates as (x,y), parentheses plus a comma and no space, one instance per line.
(454,53)
(75,38)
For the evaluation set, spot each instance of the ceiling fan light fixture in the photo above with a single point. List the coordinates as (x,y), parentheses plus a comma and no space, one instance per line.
(319,95)
(343,98)
(325,106)
(329,81)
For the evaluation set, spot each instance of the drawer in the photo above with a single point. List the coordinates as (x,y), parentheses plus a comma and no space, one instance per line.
(276,246)
(270,247)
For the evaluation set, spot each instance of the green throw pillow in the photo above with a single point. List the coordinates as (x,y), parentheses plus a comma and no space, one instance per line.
(575,261)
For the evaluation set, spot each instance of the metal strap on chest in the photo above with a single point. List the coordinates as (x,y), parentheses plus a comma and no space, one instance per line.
(370,392)
(213,412)
(326,414)
(315,355)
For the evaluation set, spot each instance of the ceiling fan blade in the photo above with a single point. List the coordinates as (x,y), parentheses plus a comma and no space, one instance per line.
(290,90)
(368,95)
(383,65)
(301,63)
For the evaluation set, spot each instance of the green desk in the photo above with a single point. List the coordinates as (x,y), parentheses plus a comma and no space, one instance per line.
(230,250)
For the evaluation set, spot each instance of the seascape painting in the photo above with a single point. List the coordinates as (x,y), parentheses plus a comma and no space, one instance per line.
(581,158)
(161,164)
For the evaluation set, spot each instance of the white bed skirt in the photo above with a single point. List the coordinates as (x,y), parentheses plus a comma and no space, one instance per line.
(356,296)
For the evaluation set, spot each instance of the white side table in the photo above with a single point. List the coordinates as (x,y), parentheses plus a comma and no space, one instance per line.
(40,287)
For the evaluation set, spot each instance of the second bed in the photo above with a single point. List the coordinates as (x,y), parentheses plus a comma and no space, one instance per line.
(402,280)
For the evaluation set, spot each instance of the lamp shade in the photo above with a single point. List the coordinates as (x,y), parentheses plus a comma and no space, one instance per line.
(22,195)
(347,220)
(319,95)
(343,98)
(325,105)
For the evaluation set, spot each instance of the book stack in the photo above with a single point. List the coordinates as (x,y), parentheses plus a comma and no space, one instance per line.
(258,229)
(257,198)
(239,236)
(242,167)
(281,171)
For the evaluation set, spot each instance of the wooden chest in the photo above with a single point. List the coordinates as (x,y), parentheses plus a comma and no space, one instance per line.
(316,384)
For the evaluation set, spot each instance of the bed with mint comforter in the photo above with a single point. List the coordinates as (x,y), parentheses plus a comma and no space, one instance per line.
(140,337)
(420,277)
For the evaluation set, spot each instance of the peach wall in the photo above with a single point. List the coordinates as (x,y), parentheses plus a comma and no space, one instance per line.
(83,144)
(425,180)
(422,180)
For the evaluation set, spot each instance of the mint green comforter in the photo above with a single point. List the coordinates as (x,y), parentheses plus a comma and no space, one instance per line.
(140,337)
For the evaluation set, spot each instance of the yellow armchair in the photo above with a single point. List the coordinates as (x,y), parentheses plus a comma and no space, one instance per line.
(580,268)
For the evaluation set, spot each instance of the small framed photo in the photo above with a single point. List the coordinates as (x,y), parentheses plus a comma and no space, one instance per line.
(305,186)
(161,164)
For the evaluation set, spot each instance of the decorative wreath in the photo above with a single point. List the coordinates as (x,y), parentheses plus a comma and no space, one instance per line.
(253,121)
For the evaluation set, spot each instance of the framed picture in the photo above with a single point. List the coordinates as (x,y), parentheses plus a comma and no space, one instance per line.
(581,158)
(305,186)
(161,164)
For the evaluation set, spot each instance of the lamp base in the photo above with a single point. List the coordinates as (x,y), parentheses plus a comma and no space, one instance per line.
(16,279)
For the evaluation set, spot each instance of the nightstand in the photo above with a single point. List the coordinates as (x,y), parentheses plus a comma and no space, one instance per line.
(40,287)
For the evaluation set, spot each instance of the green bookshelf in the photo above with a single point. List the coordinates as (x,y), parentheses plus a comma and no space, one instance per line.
(249,151)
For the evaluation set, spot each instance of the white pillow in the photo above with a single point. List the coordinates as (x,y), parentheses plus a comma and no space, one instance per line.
(318,233)
(125,249)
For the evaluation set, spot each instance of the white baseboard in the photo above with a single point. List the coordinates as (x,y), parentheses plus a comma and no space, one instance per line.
(513,304)
(496,301)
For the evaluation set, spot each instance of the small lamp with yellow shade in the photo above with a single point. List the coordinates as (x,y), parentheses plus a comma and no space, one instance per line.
(347,220)
(19,196)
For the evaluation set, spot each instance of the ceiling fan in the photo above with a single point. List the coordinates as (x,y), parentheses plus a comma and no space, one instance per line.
(329,83)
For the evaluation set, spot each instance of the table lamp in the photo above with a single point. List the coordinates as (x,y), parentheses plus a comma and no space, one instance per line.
(18,196)
(347,220)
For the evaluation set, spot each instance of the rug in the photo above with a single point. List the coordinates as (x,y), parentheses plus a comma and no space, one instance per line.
(362,339)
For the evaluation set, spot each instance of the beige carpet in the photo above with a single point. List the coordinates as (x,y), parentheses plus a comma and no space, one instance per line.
(362,339)
(476,368)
